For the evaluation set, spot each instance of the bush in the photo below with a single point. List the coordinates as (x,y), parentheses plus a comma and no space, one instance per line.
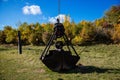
(35,38)
(116,34)
(11,37)
(103,35)
(2,37)
(77,40)
(45,37)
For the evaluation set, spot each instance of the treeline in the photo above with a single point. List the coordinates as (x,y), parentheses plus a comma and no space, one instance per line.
(104,30)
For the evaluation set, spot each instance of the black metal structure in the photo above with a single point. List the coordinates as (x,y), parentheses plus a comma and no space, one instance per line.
(59,60)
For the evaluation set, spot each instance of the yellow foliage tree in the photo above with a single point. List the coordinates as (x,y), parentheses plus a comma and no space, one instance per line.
(116,34)
(87,31)
(77,40)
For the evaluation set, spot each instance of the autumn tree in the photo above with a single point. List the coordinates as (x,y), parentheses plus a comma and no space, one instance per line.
(10,35)
(26,31)
(48,27)
(35,37)
(112,15)
(69,28)
(116,34)
(87,32)
(103,31)
(77,30)
(45,37)
(2,37)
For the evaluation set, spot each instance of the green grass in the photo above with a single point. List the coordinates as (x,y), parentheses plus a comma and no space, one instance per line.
(100,62)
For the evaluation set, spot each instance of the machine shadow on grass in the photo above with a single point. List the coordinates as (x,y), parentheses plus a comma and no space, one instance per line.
(92,69)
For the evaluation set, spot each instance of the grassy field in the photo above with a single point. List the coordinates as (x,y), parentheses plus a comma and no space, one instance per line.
(100,62)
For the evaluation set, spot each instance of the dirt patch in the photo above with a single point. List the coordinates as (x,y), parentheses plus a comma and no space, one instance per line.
(22,70)
(39,71)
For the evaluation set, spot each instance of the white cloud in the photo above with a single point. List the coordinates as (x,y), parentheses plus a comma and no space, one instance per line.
(33,9)
(61,17)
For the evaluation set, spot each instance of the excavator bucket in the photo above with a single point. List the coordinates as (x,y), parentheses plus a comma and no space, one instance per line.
(60,60)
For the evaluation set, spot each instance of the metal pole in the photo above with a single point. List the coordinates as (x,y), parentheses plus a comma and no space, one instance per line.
(19,43)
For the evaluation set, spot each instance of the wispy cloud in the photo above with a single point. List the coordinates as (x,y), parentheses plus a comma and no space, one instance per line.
(60,16)
(33,9)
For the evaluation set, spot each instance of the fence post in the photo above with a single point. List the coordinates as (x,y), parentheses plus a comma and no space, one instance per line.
(19,43)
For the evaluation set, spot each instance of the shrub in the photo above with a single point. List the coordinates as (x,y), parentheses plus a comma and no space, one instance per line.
(116,34)
(2,37)
(35,38)
(45,37)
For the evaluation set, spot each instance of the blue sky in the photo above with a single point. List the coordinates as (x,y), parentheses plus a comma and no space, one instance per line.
(13,12)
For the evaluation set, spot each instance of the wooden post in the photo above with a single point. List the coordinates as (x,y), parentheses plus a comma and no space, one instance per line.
(19,43)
